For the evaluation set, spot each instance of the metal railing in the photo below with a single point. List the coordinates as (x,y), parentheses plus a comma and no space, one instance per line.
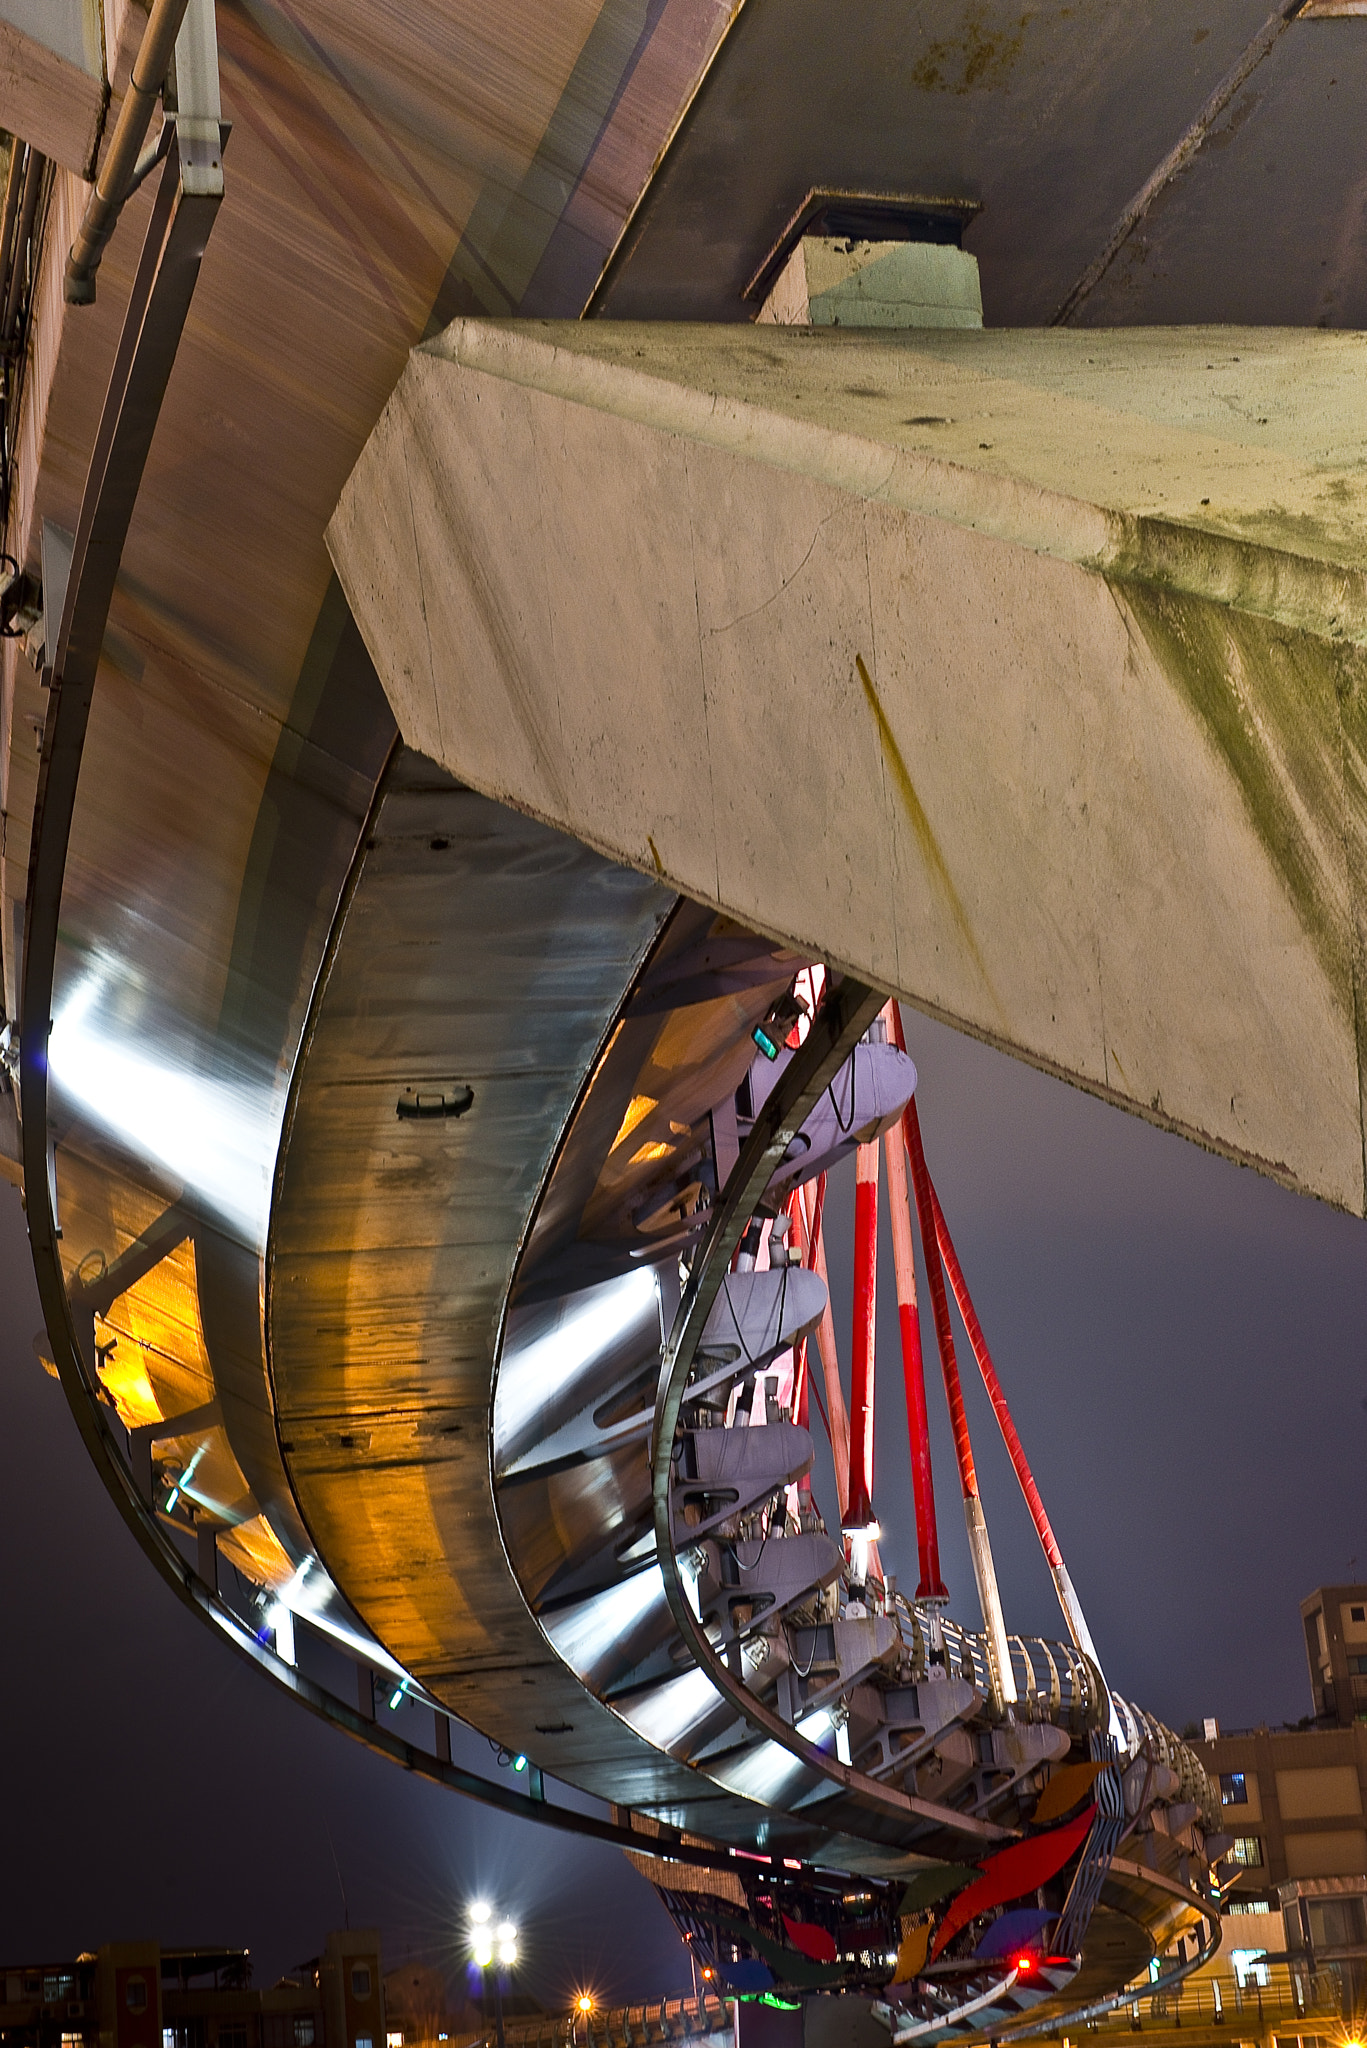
(1292,1996)
(627,2026)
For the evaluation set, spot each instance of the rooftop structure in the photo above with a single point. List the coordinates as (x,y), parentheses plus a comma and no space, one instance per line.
(1335,1623)
(139,1995)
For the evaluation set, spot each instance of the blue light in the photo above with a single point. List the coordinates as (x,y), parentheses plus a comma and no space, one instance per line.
(764,1042)
(396,1696)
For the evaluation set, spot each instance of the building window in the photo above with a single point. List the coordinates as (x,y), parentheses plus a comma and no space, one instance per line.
(1233,1789)
(1250,1967)
(73,2041)
(360,1982)
(364,2041)
(1358,1666)
(135,1994)
(168,2037)
(1247,1852)
(393,2039)
(57,1989)
(230,2035)
(1248,1906)
(1357,1613)
(303,2032)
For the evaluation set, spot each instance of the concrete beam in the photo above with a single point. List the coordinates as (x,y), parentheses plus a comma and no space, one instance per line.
(52,83)
(1022,674)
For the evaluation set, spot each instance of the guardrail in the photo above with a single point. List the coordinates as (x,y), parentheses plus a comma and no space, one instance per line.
(1292,1997)
(628,2026)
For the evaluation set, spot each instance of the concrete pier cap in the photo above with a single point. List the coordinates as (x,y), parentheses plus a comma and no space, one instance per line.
(1022,674)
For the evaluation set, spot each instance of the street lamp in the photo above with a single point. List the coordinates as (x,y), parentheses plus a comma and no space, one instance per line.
(488,1940)
(583,2010)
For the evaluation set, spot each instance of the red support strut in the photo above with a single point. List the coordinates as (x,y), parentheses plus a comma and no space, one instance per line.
(859,1518)
(939,1301)
(931,1585)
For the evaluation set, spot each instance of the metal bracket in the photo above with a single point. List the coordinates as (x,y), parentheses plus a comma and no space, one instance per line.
(193,96)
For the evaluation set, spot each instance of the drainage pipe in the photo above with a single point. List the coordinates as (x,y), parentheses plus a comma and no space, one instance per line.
(121,158)
(10,213)
(28,208)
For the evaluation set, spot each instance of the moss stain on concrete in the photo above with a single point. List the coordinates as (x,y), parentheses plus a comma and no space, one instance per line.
(1269,699)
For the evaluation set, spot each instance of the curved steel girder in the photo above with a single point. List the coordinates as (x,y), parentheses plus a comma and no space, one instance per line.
(159,304)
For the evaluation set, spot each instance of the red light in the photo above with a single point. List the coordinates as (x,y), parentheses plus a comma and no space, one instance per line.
(1024,1964)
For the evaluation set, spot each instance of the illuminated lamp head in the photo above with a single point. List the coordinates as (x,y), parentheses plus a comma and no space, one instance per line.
(584,2002)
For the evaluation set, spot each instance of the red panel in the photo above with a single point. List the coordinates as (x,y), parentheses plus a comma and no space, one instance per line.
(812,1942)
(859,1513)
(1013,1872)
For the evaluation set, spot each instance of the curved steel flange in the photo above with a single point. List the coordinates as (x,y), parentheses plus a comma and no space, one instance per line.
(159,304)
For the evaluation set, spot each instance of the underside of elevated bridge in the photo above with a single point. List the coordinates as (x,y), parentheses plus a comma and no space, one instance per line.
(558,557)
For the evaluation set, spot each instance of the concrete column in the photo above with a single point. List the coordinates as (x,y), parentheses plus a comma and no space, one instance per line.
(1025,675)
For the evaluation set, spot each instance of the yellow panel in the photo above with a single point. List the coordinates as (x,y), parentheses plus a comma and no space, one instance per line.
(256,1551)
(911,1956)
(1065,1789)
(159,1366)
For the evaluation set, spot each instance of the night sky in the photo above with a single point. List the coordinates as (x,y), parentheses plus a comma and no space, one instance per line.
(1182,1346)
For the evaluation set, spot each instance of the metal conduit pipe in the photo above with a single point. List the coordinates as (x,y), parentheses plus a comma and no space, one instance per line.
(28,207)
(10,213)
(121,158)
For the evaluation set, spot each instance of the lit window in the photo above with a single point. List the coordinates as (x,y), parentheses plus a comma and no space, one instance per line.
(360,1982)
(1248,1906)
(1247,1852)
(393,2039)
(1250,1967)
(168,2037)
(364,2041)
(73,2041)
(303,2032)
(1233,1789)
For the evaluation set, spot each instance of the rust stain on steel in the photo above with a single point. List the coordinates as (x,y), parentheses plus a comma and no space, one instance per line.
(921,826)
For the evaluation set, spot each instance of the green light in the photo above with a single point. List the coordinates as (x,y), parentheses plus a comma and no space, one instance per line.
(764,1042)
(519,1763)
